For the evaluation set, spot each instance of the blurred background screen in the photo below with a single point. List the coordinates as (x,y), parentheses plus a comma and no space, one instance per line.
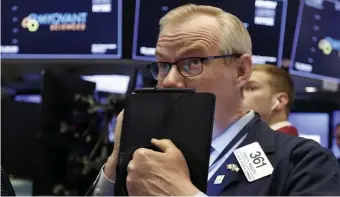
(61,29)
(312,126)
(316,51)
(265,21)
(110,83)
(68,65)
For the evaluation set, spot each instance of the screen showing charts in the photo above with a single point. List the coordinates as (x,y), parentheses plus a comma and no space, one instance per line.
(61,29)
(316,50)
(313,126)
(264,19)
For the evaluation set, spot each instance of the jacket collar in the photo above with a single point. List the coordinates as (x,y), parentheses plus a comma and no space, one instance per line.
(259,133)
(279,125)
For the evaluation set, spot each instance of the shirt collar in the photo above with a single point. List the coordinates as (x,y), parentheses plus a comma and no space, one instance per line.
(220,142)
(279,125)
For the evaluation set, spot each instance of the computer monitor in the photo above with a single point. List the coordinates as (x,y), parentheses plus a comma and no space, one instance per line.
(336,125)
(65,126)
(61,29)
(264,19)
(316,48)
(58,96)
(313,126)
(118,84)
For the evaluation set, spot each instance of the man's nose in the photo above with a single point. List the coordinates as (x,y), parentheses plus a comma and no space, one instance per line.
(174,79)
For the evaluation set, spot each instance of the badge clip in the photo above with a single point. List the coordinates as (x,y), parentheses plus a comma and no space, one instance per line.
(233,167)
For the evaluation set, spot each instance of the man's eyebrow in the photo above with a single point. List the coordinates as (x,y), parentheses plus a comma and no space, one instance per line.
(197,47)
(191,49)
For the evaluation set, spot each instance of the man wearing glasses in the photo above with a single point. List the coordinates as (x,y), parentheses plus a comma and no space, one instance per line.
(203,47)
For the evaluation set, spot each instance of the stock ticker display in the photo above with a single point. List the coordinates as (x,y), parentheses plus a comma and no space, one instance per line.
(316,50)
(264,19)
(53,29)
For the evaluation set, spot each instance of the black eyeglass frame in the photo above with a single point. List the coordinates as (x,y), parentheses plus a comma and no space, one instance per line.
(202,59)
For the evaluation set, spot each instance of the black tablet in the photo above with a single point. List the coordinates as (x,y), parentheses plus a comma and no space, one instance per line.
(181,115)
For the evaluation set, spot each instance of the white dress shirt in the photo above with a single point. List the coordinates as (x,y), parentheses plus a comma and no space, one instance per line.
(105,187)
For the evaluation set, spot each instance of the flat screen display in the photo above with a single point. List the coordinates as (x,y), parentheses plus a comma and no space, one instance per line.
(61,29)
(336,125)
(118,84)
(316,48)
(264,19)
(313,126)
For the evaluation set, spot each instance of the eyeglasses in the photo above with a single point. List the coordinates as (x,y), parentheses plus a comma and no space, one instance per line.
(187,67)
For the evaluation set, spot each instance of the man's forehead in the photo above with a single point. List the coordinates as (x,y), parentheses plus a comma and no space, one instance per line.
(181,49)
(193,48)
(188,40)
(259,76)
(194,22)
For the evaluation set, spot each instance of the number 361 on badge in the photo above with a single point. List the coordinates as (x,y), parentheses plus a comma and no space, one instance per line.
(253,161)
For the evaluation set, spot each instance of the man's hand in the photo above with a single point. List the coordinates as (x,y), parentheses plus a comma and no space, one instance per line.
(111,164)
(159,173)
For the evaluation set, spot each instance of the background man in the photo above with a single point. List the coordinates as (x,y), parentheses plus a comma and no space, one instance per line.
(337,137)
(203,47)
(270,92)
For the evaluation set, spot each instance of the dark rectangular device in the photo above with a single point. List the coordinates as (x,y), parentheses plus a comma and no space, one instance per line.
(181,115)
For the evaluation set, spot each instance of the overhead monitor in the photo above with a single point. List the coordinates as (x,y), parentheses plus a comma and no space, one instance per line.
(336,137)
(264,19)
(61,29)
(313,126)
(316,48)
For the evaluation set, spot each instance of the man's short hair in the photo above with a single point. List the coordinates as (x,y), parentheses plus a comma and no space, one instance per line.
(279,80)
(337,125)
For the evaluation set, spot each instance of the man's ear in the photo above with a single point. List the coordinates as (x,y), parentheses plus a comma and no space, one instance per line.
(283,99)
(243,69)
